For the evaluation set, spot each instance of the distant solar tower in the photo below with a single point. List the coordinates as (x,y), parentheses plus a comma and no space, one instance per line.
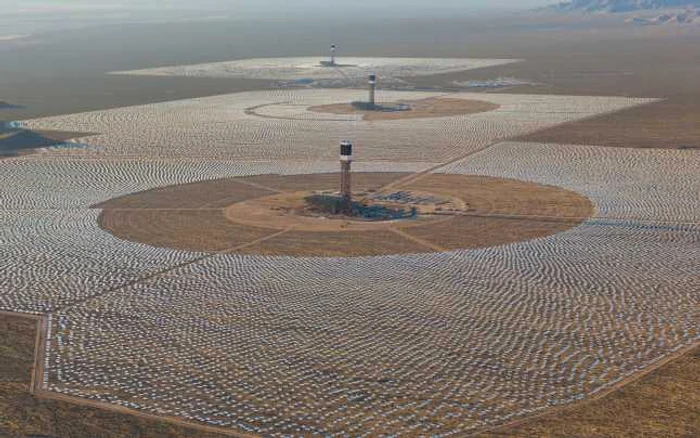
(372,89)
(333,48)
(345,176)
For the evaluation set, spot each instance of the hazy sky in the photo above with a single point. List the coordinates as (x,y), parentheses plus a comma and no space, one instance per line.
(22,17)
(271,6)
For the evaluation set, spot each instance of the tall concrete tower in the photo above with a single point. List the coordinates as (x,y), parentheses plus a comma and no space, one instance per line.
(333,48)
(372,89)
(345,176)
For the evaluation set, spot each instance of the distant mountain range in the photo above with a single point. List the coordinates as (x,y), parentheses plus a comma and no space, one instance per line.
(639,12)
(624,5)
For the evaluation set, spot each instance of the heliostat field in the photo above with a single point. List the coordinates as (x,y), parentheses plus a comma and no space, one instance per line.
(260,336)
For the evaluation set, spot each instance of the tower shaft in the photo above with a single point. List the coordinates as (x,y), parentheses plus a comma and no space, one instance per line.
(345,176)
(346,182)
(372,89)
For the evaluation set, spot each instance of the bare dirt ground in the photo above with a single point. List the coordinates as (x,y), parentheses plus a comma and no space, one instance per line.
(203,216)
(329,244)
(659,63)
(670,124)
(662,403)
(496,196)
(420,109)
(23,414)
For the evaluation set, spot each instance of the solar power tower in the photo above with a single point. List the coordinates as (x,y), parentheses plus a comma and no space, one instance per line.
(372,89)
(345,175)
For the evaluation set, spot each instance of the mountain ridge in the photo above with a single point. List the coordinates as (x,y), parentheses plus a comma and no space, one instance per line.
(613,6)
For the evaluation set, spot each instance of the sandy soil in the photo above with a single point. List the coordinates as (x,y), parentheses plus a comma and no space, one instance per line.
(652,62)
(205,230)
(497,196)
(330,244)
(207,194)
(215,216)
(420,109)
(670,124)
